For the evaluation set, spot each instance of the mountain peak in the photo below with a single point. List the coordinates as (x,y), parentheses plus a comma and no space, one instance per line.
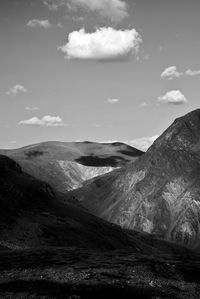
(192,117)
(183,133)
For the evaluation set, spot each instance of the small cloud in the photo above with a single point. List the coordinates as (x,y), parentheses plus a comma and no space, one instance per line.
(54,5)
(171,73)
(39,23)
(16,89)
(103,44)
(47,120)
(31,108)
(113,10)
(144,104)
(112,101)
(59,25)
(192,73)
(173,97)
(142,143)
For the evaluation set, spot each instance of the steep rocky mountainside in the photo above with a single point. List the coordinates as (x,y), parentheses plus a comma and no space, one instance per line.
(160,192)
(65,166)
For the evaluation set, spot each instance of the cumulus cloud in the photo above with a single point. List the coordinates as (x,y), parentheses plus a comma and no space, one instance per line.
(47,120)
(112,101)
(173,97)
(103,44)
(18,88)
(39,23)
(31,108)
(114,10)
(171,73)
(143,143)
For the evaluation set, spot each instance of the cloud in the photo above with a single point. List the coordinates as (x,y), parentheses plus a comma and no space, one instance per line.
(112,101)
(142,143)
(54,4)
(16,89)
(192,73)
(173,97)
(103,44)
(39,23)
(47,120)
(114,10)
(171,73)
(31,108)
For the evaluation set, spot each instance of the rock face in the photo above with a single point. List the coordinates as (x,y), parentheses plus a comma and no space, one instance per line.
(160,192)
(65,166)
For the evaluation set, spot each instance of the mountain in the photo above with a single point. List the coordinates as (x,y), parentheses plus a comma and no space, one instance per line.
(65,166)
(160,192)
(32,216)
(53,250)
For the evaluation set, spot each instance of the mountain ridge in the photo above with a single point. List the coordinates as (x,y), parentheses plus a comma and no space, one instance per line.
(158,193)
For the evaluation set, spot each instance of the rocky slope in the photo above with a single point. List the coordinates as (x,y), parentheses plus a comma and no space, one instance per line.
(160,192)
(65,166)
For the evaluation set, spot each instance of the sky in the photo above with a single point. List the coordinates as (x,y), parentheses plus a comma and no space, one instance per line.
(98,70)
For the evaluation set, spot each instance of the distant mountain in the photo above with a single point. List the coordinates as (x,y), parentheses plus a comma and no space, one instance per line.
(65,166)
(160,192)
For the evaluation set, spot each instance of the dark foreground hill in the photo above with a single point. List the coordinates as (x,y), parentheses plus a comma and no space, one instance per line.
(66,165)
(160,192)
(76,273)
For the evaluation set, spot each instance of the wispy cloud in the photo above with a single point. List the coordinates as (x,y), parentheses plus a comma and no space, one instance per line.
(103,44)
(114,10)
(173,97)
(54,5)
(192,73)
(171,72)
(18,88)
(39,23)
(112,101)
(31,108)
(47,120)
(142,143)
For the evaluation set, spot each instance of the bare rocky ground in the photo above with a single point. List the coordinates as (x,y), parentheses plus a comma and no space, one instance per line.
(82,273)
